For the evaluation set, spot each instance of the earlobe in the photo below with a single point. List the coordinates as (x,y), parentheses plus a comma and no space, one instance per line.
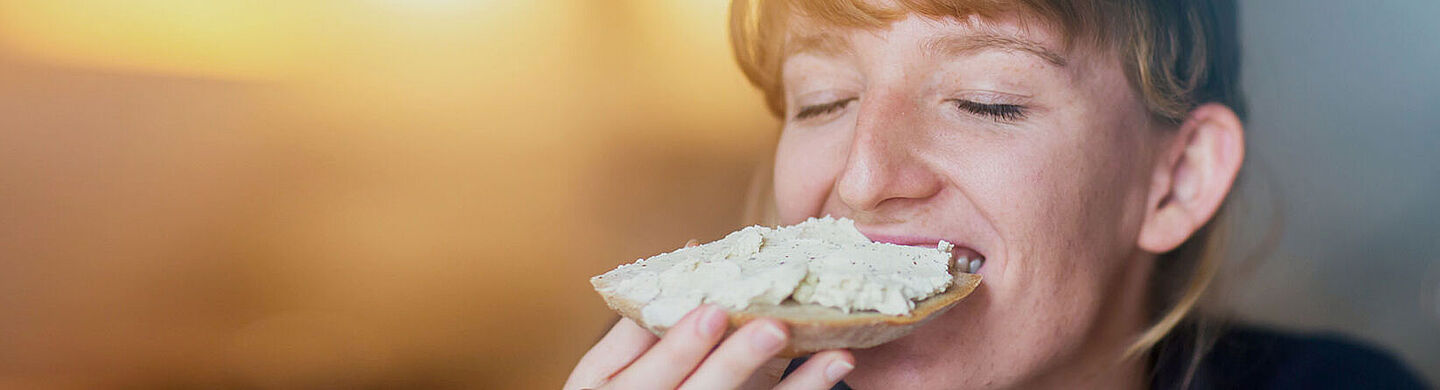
(1193,176)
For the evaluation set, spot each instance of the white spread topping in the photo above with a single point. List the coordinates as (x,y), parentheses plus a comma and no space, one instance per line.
(822,261)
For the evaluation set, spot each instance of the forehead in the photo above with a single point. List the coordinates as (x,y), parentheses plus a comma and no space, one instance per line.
(944,36)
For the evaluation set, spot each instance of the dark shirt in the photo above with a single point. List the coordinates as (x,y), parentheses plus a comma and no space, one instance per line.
(1254,358)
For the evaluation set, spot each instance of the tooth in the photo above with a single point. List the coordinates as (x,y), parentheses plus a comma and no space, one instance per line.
(975,265)
(963,263)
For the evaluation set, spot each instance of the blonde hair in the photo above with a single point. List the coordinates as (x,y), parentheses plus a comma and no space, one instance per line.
(1177,54)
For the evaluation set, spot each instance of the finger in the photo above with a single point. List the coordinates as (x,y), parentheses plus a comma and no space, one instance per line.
(739,356)
(625,342)
(677,354)
(821,372)
(692,242)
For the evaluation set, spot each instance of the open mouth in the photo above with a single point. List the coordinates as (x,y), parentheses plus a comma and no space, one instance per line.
(967,260)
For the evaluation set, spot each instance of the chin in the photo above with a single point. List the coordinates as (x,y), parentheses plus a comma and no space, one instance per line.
(928,357)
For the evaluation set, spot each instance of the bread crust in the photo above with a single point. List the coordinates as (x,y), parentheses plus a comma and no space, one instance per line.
(814,328)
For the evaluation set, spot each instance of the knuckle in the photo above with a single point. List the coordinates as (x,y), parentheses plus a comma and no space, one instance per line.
(667,355)
(679,347)
(682,339)
(740,354)
(733,365)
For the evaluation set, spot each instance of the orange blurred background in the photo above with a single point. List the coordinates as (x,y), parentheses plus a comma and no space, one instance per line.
(357,194)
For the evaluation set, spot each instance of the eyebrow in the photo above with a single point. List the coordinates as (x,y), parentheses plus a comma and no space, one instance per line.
(826,44)
(834,45)
(970,43)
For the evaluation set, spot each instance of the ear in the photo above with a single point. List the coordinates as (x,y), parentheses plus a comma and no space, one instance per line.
(1192,176)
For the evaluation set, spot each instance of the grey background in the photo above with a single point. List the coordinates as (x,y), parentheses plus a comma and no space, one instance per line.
(1343,139)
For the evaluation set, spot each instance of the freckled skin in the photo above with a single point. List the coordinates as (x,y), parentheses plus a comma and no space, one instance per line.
(1054,200)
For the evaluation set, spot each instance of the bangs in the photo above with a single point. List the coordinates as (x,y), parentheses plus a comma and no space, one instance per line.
(759,27)
(867,14)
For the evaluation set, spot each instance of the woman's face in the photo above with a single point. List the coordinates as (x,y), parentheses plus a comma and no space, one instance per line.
(988,135)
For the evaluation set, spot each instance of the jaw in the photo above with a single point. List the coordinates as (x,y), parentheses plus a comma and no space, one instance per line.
(931,356)
(983,342)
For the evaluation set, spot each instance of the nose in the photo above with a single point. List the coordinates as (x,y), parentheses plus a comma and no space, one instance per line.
(885,158)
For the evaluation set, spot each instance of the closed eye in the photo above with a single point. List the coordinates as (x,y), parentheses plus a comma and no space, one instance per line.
(997,112)
(812,111)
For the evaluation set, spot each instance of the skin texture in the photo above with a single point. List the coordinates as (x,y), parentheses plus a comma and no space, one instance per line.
(1070,199)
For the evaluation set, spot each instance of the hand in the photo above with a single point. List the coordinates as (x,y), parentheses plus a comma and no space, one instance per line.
(629,357)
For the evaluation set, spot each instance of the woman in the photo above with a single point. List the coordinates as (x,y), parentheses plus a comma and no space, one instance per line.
(1083,148)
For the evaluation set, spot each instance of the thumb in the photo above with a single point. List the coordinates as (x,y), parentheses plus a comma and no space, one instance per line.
(767,375)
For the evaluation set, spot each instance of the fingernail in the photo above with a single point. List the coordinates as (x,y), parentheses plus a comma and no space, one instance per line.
(768,338)
(837,369)
(712,321)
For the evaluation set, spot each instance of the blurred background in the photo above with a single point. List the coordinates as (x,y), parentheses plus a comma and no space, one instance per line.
(412,193)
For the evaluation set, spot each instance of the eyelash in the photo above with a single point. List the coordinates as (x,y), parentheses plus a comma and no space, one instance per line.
(808,112)
(998,112)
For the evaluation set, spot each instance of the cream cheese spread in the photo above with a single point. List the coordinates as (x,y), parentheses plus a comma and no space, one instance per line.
(822,261)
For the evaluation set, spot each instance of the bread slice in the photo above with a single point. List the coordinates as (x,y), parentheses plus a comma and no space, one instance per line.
(814,328)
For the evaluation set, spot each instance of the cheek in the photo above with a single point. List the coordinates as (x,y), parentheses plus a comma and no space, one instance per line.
(1060,206)
(1087,177)
(1106,192)
(1067,199)
(1083,188)
(806,165)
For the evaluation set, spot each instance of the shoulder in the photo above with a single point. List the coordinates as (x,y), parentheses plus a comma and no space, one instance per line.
(1251,357)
